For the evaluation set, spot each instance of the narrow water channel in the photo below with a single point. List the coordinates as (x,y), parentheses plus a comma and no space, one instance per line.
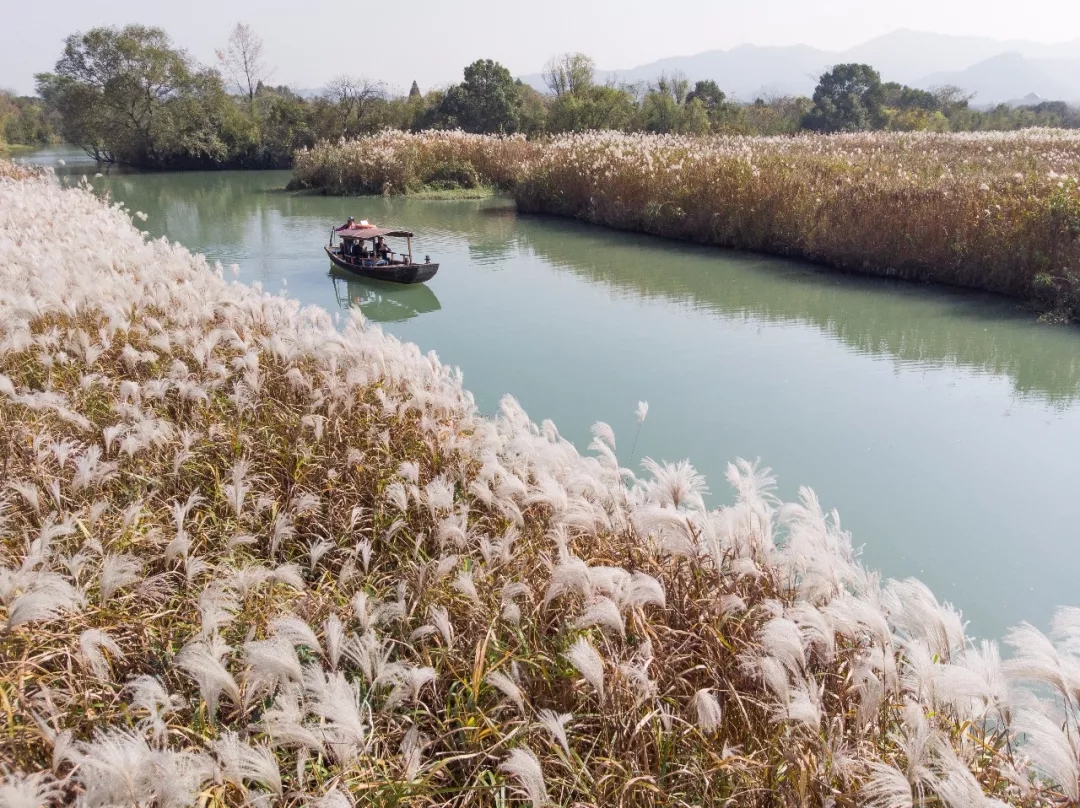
(944,426)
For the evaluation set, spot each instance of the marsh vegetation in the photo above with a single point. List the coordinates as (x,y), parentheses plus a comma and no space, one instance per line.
(247,556)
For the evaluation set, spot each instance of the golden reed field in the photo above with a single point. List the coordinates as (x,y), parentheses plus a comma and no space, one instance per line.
(249,556)
(998,211)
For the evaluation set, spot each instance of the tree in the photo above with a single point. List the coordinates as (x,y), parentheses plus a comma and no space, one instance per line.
(709,93)
(354,97)
(662,108)
(598,107)
(570,73)
(848,98)
(414,91)
(242,60)
(129,95)
(487,101)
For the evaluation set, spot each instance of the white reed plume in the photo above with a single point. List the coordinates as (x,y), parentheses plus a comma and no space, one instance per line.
(283,722)
(218,605)
(464,584)
(333,798)
(116,768)
(346,728)
(270,663)
(571,575)
(149,695)
(604,613)
(240,762)
(440,619)
(202,662)
(1053,751)
(334,632)
(27,790)
(46,597)
(523,766)
(238,489)
(708,710)
(588,662)
(317,550)
(92,642)
(295,631)
(117,571)
(412,750)
(887,787)
(504,684)
(408,683)
(555,724)
(675,484)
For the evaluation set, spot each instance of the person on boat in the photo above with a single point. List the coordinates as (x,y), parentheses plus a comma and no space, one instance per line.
(348,225)
(382,250)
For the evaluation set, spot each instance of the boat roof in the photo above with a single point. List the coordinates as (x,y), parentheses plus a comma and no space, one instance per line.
(371,231)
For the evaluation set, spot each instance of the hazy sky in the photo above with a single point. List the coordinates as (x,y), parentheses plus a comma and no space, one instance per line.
(430,40)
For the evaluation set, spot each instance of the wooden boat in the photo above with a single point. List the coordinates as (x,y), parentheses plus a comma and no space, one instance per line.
(353,254)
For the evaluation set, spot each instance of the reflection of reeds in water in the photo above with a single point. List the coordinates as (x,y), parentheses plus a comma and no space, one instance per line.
(893,319)
(246,557)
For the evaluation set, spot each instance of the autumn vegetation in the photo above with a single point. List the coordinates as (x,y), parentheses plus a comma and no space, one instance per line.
(252,556)
(992,211)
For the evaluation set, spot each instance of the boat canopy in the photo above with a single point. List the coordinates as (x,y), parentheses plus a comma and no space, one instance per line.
(373,232)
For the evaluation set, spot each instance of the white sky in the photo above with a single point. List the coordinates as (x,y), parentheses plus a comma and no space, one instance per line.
(431,40)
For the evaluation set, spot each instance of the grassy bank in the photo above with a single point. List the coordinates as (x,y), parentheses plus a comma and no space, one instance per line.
(249,558)
(996,211)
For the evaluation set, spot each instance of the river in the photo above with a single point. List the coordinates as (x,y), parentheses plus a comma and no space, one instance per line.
(943,425)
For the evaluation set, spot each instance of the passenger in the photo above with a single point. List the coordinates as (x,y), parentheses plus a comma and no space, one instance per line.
(351,223)
(382,249)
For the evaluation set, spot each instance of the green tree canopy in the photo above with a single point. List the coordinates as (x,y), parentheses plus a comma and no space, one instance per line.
(709,93)
(128,95)
(598,107)
(487,101)
(848,98)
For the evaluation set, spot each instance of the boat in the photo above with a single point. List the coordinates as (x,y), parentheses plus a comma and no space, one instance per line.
(376,261)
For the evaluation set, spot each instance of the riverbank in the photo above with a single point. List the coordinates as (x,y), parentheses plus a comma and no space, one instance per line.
(249,556)
(998,212)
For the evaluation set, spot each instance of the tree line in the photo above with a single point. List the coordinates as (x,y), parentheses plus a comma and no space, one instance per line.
(130,95)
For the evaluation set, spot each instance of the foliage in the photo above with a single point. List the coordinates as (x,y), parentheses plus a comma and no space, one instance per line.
(250,558)
(487,101)
(129,95)
(26,121)
(569,74)
(848,98)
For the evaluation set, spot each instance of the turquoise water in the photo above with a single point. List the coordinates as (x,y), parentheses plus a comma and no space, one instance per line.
(944,426)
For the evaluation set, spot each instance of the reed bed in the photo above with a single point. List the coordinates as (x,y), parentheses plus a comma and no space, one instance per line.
(250,558)
(394,162)
(992,211)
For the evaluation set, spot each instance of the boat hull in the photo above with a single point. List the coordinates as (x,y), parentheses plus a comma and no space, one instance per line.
(396,273)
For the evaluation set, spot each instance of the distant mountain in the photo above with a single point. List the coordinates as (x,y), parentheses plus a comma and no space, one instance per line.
(1009,76)
(742,72)
(993,69)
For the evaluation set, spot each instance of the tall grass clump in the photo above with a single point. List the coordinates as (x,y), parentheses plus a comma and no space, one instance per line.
(249,558)
(998,211)
(394,162)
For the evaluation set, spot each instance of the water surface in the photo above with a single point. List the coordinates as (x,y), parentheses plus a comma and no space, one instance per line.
(944,426)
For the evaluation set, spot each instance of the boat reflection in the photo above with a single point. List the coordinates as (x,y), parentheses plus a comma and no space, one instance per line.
(383,302)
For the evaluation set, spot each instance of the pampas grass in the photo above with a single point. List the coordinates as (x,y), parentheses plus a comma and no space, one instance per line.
(337,583)
(998,211)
